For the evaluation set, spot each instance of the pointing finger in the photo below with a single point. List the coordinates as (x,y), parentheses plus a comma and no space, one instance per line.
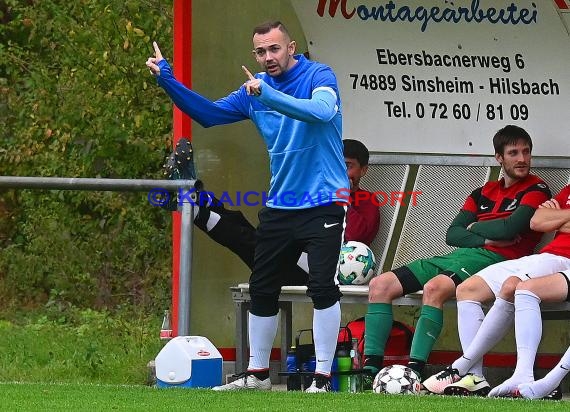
(157,52)
(248,73)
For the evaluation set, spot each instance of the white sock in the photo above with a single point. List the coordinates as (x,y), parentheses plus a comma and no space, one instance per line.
(212,221)
(213,218)
(195,204)
(196,210)
(542,387)
(326,323)
(494,327)
(469,318)
(262,331)
(528,331)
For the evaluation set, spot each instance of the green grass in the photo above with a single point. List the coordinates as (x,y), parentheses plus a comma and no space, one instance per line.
(85,397)
(92,361)
(87,347)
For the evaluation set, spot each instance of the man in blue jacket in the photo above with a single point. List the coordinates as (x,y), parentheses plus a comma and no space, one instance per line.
(296,107)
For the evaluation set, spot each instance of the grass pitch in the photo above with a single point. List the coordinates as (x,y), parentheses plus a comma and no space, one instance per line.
(89,397)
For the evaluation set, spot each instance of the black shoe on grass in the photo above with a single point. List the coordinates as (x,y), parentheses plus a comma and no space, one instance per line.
(555,395)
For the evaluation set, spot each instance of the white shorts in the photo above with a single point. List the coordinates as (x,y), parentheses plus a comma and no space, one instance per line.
(566,274)
(527,267)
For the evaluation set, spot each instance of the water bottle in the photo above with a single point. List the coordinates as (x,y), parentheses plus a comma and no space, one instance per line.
(356,378)
(344,365)
(294,379)
(166,329)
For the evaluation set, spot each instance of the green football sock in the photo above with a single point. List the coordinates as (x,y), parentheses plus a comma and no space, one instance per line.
(428,330)
(378,320)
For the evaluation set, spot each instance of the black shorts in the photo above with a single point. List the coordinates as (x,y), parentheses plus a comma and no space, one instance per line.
(235,232)
(281,237)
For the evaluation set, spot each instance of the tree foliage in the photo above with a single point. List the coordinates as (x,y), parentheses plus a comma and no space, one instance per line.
(78,101)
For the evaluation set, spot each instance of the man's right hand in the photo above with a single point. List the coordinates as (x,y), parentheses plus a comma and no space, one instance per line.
(253,85)
(152,62)
(550,204)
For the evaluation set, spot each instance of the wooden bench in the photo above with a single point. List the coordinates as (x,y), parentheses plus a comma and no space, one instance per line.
(408,232)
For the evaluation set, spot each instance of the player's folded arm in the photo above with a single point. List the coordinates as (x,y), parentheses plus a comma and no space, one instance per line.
(457,234)
(548,220)
(505,228)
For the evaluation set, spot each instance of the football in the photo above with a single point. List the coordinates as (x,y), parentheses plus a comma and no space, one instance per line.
(397,379)
(356,265)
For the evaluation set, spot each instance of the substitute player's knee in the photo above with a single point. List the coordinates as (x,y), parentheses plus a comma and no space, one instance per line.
(508,288)
(469,289)
(438,290)
(382,288)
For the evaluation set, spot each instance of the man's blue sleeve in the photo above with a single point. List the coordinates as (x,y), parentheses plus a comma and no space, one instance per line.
(321,107)
(230,109)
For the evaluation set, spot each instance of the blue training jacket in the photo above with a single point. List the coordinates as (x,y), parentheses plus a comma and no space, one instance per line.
(298,114)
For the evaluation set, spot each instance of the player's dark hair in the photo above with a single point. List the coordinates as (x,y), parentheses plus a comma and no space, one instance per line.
(267,26)
(355,149)
(509,135)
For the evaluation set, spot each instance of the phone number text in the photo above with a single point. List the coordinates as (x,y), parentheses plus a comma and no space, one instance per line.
(457,111)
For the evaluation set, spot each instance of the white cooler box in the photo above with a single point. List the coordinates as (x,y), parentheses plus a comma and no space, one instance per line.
(190,362)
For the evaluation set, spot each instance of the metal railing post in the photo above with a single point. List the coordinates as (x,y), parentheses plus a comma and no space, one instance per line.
(185,276)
